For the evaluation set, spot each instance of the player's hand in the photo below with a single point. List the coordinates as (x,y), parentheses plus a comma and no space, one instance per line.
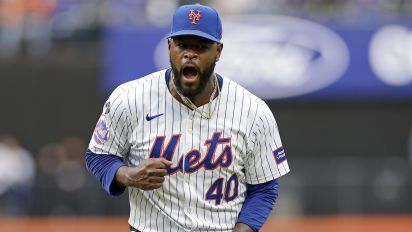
(148,175)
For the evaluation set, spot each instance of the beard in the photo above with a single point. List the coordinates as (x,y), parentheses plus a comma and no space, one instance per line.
(204,76)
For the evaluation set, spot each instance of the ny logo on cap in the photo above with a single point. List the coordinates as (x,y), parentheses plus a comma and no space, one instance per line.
(194,17)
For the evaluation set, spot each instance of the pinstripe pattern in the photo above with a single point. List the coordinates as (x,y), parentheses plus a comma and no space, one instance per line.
(181,203)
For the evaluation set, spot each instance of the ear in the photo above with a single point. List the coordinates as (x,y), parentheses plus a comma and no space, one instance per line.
(169,41)
(219,50)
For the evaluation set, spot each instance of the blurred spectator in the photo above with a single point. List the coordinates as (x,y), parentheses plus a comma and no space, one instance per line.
(64,163)
(25,21)
(11,27)
(33,24)
(37,26)
(410,147)
(17,170)
(51,158)
(75,148)
(72,175)
(76,19)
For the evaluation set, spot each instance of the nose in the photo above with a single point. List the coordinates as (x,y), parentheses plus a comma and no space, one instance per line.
(190,54)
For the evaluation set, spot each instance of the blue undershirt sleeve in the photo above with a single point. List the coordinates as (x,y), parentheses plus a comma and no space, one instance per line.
(259,202)
(104,168)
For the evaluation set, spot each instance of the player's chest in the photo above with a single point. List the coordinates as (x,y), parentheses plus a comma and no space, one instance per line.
(190,142)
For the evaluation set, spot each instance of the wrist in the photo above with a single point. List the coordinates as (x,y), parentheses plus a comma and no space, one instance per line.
(122,177)
(240,227)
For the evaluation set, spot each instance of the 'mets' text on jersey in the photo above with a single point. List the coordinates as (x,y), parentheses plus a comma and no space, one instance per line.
(213,159)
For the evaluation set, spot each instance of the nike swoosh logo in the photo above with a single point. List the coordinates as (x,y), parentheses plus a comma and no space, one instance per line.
(149,118)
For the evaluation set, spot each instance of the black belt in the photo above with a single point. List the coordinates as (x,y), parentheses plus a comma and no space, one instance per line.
(133,229)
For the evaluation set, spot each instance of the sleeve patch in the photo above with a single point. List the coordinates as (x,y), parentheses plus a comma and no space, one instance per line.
(101,132)
(280,155)
(107,108)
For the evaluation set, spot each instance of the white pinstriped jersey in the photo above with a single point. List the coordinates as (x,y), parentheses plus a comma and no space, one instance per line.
(213,158)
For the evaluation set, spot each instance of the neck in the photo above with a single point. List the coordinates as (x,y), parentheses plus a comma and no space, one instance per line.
(200,99)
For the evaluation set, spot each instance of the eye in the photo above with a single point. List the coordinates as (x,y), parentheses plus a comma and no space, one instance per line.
(204,47)
(182,45)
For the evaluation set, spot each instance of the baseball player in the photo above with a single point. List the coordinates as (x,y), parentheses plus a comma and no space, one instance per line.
(196,151)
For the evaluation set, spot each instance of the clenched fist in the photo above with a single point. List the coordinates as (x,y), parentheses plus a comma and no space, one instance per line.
(148,175)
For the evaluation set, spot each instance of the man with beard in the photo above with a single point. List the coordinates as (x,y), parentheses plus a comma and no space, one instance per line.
(196,151)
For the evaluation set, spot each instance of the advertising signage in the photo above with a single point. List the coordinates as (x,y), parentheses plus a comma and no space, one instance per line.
(281,57)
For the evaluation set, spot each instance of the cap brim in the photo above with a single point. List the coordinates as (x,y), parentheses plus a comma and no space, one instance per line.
(194,33)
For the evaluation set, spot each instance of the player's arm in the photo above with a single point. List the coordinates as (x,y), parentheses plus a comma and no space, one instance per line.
(148,175)
(259,202)
(104,168)
(114,175)
(240,227)
(110,141)
(264,163)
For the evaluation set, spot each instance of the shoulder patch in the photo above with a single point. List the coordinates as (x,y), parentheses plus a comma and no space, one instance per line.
(280,155)
(107,108)
(101,131)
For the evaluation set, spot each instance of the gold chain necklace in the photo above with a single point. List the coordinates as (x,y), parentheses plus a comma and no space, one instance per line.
(207,114)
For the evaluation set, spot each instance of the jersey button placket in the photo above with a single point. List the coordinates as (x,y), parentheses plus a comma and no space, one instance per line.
(190,121)
(192,115)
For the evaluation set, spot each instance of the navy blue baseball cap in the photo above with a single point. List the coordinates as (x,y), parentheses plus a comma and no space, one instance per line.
(197,20)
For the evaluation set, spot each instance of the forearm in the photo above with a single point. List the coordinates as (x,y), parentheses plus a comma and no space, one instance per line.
(121,178)
(240,227)
(104,168)
(259,202)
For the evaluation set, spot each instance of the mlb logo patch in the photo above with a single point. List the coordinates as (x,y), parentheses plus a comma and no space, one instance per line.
(101,132)
(279,155)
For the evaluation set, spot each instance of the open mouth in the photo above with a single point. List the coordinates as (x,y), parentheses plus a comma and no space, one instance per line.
(190,73)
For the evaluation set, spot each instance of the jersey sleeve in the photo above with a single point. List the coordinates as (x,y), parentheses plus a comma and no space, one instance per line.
(266,158)
(111,134)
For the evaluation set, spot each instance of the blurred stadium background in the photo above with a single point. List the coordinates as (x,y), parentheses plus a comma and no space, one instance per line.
(337,74)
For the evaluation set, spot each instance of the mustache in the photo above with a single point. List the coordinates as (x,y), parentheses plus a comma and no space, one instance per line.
(190,64)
